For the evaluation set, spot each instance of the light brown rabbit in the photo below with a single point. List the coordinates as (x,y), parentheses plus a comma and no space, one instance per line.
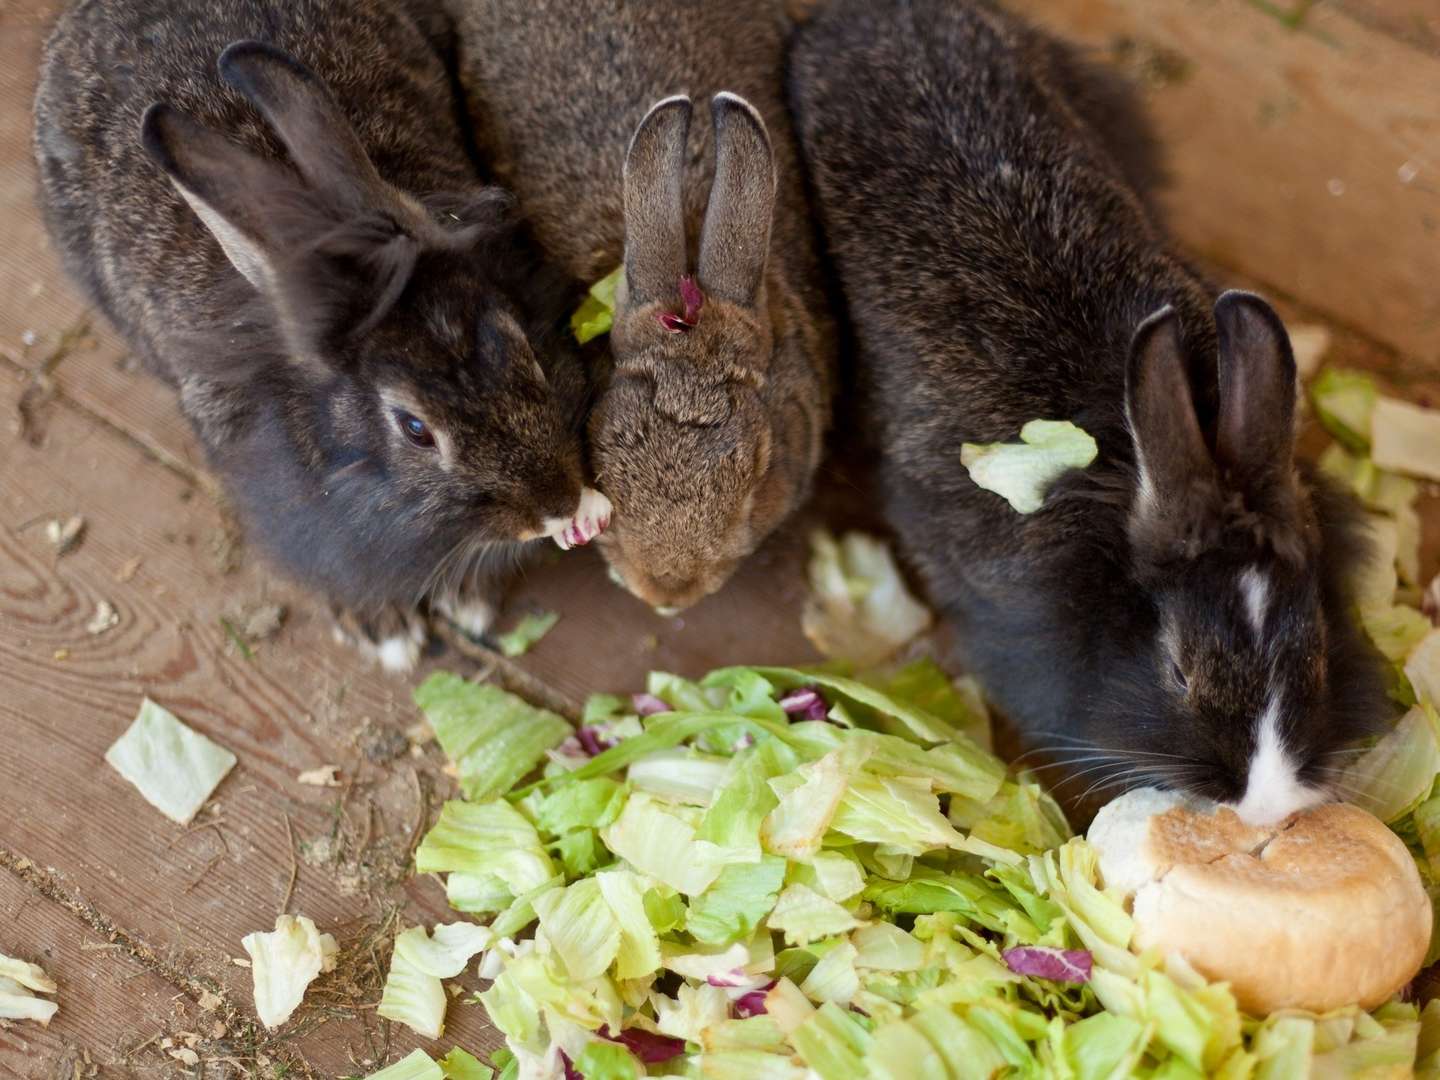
(711,424)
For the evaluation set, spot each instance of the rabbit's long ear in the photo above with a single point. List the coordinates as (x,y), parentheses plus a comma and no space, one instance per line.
(228,187)
(735,241)
(1177,501)
(655,253)
(304,113)
(1255,433)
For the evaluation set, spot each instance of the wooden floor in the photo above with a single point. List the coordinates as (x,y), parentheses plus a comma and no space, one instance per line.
(1306,153)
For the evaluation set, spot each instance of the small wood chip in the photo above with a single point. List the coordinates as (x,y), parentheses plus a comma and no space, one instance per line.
(105,618)
(128,570)
(323,776)
(210,1001)
(185,1056)
(65,535)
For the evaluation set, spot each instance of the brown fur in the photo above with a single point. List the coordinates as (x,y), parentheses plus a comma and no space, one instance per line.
(704,440)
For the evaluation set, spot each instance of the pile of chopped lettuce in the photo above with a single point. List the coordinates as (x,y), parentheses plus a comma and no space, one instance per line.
(776,873)
(779,873)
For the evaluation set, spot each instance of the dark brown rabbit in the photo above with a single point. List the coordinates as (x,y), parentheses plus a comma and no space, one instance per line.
(711,426)
(273,203)
(1178,613)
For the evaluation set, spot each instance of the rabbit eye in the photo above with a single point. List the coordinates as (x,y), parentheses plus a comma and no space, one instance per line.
(416,430)
(1180,680)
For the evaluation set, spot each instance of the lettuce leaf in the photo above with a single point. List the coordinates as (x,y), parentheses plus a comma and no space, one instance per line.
(173,767)
(412,996)
(284,962)
(1021,473)
(494,738)
(529,630)
(415,1066)
(858,608)
(596,313)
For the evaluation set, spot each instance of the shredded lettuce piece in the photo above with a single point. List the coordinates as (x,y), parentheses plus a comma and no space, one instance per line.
(607,1061)
(493,738)
(173,767)
(445,952)
(660,842)
(1394,776)
(529,630)
(460,1065)
(284,962)
(490,839)
(1021,473)
(1344,403)
(859,608)
(416,1065)
(596,313)
(20,984)
(1406,438)
(412,996)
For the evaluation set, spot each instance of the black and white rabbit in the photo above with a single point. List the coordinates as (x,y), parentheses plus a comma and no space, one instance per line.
(1178,613)
(272,201)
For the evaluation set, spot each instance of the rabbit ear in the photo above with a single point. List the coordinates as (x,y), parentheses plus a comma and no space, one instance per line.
(1176,473)
(227,186)
(304,113)
(655,254)
(735,241)
(1255,433)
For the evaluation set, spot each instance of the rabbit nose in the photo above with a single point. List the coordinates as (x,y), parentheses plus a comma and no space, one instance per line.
(589,520)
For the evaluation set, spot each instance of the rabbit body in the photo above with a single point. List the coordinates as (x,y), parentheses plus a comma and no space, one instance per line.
(1179,612)
(292,233)
(708,434)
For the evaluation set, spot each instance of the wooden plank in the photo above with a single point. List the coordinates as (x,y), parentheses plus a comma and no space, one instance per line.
(1304,158)
(66,694)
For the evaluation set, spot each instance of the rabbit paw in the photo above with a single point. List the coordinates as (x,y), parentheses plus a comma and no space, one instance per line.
(590,519)
(392,638)
(472,615)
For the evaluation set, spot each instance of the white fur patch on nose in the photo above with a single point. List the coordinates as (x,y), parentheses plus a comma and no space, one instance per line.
(591,517)
(1273,789)
(1256,592)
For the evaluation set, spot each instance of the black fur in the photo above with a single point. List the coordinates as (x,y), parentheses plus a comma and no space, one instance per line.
(326,136)
(976,190)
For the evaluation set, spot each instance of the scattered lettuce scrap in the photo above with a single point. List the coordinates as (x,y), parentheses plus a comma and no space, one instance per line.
(785,873)
(530,629)
(859,609)
(1406,438)
(21,983)
(284,962)
(174,768)
(1344,401)
(596,313)
(1022,472)
(494,738)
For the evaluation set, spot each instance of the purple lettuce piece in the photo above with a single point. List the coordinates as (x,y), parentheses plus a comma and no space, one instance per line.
(648,704)
(1042,962)
(570,1071)
(735,977)
(805,702)
(752,1002)
(592,742)
(650,1048)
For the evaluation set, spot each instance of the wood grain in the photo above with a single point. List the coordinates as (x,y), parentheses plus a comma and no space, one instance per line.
(66,694)
(1291,148)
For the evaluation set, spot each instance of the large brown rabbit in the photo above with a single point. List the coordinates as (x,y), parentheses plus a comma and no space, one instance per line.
(291,231)
(712,424)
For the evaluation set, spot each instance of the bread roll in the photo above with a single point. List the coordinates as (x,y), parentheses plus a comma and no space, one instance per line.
(1323,910)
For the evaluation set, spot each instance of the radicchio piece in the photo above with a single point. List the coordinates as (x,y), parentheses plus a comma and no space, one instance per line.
(592,742)
(806,702)
(648,704)
(646,1045)
(570,1071)
(752,1002)
(1057,965)
(693,300)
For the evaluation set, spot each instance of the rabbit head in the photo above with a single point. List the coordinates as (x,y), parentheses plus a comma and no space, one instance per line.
(426,404)
(682,438)
(1253,675)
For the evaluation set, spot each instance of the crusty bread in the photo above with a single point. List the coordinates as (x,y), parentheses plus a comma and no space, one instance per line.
(1322,910)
